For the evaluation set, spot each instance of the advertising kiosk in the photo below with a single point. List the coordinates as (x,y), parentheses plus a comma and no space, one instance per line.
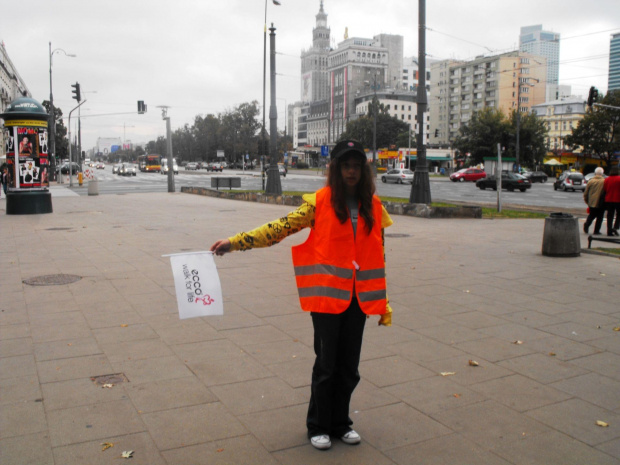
(25,127)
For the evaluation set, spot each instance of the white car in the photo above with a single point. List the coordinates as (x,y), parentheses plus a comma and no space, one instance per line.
(398,176)
(116,168)
(164,167)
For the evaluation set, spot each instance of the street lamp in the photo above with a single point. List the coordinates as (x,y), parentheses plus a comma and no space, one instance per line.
(275,2)
(52,117)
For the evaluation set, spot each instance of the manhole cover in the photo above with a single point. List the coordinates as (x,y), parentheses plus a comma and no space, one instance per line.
(116,378)
(52,280)
(397,235)
(58,229)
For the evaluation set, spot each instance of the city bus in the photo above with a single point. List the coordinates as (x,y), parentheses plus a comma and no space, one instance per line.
(150,163)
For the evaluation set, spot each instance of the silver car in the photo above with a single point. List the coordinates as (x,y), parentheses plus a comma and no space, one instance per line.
(127,169)
(398,176)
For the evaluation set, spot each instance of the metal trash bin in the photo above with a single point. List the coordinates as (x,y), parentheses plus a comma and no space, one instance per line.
(93,187)
(561,236)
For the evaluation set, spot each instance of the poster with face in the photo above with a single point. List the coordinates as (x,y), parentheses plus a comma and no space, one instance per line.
(28,158)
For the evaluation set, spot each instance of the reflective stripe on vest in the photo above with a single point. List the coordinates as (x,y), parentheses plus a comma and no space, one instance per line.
(333,263)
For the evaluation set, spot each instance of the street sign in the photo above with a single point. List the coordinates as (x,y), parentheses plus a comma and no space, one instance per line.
(324,150)
(220,154)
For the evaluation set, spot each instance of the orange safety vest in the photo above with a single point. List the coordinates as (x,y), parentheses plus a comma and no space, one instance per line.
(332,262)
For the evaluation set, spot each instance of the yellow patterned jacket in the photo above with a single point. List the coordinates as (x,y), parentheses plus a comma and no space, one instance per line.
(303,217)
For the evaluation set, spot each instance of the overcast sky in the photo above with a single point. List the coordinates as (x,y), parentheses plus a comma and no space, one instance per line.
(206,56)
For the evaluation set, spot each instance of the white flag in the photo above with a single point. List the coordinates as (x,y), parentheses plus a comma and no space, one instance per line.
(197,284)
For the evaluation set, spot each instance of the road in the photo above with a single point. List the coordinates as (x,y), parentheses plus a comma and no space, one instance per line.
(539,196)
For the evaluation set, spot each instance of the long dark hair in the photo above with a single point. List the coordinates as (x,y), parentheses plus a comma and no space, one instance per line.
(363,192)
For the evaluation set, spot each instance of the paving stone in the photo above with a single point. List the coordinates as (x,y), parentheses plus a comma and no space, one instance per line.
(513,332)
(594,388)
(465,374)
(452,449)
(135,350)
(242,450)
(93,422)
(534,318)
(78,392)
(245,337)
(494,349)
(450,334)
(67,348)
(542,368)
(17,367)
(378,426)
(28,449)
(606,364)
(434,394)
(574,331)
(207,351)
(424,348)
(519,393)
(340,453)
(60,332)
(73,368)
(611,448)
(225,371)
(151,369)
(20,389)
(14,331)
(169,394)
(280,351)
(21,419)
(259,394)
(145,451)
(562,348)
(124,333)
(180,427)
(279,428)
(552,447)
(97,320)
(577,418)
(489,424)
(392,370)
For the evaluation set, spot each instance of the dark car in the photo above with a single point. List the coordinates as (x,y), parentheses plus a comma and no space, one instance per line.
(468,174)
(64,168)
(570,181)
(536,176)
(510,181)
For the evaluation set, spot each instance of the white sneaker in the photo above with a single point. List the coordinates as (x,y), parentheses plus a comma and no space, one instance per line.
(352,437)
(321,442)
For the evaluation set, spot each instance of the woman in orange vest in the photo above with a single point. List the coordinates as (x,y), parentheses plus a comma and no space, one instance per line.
(340,274)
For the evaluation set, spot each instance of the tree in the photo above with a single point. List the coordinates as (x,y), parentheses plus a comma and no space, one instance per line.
(599,131)
(60,135)
(532,135)
(389,129)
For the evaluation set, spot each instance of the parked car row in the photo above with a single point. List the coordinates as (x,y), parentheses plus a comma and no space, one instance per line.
(510,181)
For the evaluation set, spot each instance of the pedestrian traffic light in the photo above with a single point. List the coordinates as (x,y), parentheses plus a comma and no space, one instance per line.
(76,91)
(141,107)
(593,95)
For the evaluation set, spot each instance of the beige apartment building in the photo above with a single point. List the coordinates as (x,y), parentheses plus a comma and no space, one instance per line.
(460,88)
(561,117)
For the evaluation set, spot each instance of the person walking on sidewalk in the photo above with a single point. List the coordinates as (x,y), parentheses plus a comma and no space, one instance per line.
(5,177)
(612,201)
(340,274)
(594,197)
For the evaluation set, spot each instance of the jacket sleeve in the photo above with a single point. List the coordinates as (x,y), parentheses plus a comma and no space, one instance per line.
(386,318)
(273,232)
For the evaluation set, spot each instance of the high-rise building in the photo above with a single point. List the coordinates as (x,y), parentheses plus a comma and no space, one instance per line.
(314,80)
(614,63)
(535,41)
(510,81)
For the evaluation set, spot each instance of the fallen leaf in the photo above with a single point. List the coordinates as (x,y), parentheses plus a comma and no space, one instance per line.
(617,328)
(107,386)
(107,445)
(553,354)
(220,450)
(473,363)
(124,326)
(602,424)
(602,274)
(466,291)
(69,344)
(127,454)
(447,373)
(518,342)
(456,395)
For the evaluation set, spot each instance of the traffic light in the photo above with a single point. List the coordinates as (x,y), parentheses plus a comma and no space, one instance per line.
(76,91)
(141,107)
(592,96)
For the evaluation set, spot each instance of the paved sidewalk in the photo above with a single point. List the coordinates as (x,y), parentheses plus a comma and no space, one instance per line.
(234,389)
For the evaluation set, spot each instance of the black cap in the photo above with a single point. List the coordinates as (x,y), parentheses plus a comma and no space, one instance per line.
(345,147)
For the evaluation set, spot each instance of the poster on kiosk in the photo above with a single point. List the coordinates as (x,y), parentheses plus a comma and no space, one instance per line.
(26,155)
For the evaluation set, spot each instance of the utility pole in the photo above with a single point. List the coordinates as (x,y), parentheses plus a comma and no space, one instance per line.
(165,117)
(420,188)
(274,185)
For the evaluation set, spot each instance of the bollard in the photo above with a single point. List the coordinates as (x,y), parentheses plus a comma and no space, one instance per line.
(93,187)
(561,236)
(80,179)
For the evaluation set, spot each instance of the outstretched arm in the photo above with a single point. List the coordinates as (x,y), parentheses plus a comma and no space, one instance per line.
(220,247)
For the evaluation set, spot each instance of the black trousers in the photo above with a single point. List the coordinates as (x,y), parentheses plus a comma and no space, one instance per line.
(611,209)
(337,345)
(595,214)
